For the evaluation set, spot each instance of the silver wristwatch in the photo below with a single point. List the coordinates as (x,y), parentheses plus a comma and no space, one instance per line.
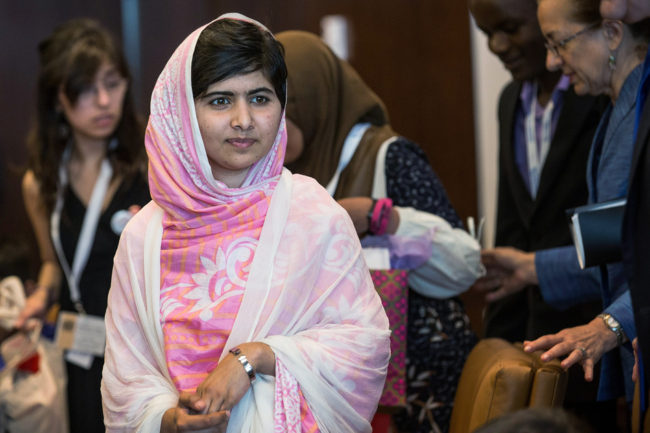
(615,327)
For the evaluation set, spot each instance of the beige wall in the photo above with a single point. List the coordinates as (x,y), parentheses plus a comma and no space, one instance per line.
(488,76)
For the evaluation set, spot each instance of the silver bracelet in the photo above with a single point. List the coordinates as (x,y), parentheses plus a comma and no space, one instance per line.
(248,368)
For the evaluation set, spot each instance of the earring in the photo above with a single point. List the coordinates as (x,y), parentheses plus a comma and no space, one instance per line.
(612,62)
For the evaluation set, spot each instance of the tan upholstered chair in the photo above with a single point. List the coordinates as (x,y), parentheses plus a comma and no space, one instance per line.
(499,377)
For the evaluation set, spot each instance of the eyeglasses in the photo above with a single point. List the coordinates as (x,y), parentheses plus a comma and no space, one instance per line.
(554,47)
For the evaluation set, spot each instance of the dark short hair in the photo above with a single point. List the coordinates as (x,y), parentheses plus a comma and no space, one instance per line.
(231,47)
(641,30)
(586,11)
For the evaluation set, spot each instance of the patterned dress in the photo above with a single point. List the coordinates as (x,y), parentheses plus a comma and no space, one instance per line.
(439,336)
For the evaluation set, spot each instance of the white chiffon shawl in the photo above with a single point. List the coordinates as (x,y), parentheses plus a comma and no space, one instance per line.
(309,296)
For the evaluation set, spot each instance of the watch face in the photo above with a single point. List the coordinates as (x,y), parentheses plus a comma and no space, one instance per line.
(612,322)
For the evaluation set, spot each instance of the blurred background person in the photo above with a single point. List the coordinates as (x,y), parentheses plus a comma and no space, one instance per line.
(85,177)
(339,133)
(545,135)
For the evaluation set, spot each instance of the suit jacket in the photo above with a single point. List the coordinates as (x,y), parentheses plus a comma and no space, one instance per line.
(532,224)
(636,231)
(561,280)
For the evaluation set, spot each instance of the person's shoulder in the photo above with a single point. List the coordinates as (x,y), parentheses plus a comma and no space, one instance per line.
(305,183)
(508,97)
(309,196)
(31,186)
(511,89)
(404,146)
(136,228)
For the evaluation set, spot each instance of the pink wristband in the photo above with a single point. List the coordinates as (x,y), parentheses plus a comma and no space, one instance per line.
(381,216)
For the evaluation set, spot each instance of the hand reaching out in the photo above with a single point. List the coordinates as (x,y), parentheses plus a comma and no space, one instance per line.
(509,270)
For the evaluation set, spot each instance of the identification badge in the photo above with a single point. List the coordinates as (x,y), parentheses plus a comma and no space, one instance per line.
(80,359)
(81,333)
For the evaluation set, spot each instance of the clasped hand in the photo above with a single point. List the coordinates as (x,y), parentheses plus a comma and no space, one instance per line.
(208,409)
(508,270)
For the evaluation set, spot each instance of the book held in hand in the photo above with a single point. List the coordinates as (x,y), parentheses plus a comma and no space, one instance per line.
(596,231)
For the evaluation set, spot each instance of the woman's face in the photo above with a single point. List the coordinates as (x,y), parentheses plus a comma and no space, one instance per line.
(239,119)
(513,35)
(584,58)
(98,109)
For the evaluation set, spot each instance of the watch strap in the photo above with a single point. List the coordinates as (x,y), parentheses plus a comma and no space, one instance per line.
(615,327)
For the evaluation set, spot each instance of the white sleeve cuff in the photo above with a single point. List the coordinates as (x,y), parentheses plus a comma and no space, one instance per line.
(455,262)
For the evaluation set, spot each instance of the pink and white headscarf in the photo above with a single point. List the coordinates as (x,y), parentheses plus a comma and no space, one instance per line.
(308,295)
(180,177)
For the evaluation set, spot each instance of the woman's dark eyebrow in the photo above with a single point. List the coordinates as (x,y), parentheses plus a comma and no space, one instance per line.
(230,93)
(260,90)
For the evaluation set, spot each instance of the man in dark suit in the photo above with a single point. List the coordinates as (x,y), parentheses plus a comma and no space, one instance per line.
(636,225)
(534,192)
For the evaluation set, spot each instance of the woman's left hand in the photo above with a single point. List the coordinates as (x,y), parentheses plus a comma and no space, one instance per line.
(228,382)
(584,344)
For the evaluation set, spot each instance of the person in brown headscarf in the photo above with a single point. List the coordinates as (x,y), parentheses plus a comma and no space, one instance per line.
(339,133)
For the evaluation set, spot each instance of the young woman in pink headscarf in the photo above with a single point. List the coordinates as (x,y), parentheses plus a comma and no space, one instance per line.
(240,301)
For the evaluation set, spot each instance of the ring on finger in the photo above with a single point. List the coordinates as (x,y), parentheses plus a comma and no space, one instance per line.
(583,351)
